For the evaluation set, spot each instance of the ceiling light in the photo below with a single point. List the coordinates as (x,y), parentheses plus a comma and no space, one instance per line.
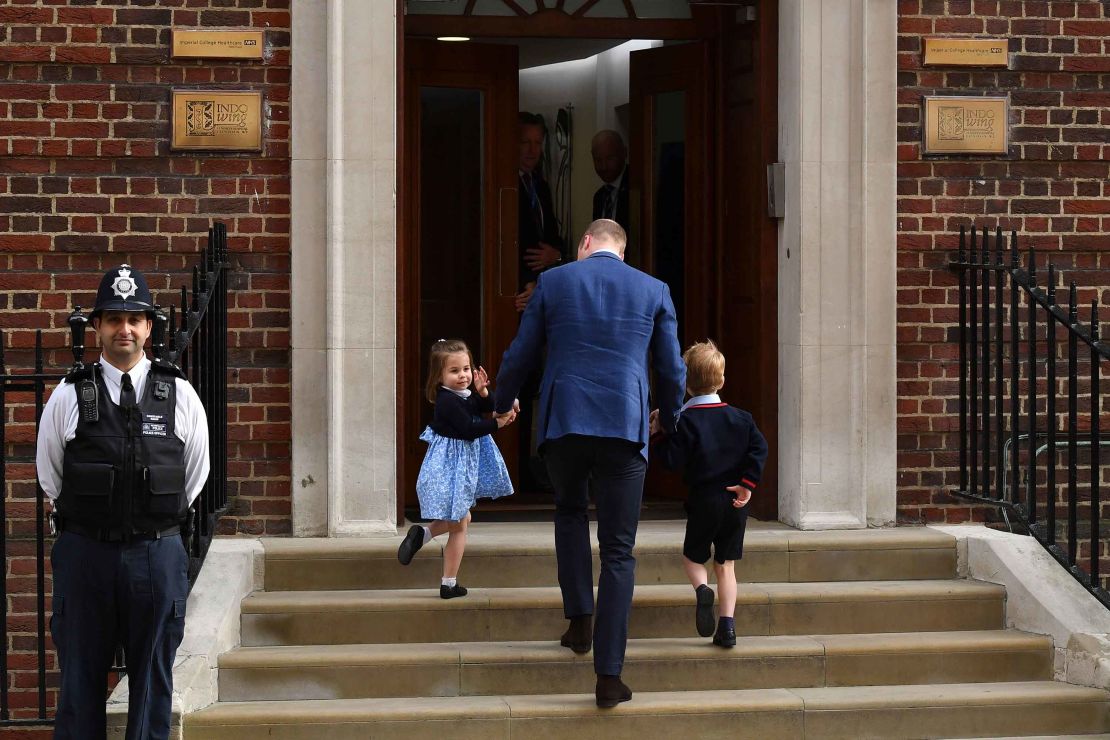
(452,38)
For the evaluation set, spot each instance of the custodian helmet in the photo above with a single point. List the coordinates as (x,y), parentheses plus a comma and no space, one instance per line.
(123,288)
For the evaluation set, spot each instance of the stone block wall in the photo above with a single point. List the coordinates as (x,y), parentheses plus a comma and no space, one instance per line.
(87,181)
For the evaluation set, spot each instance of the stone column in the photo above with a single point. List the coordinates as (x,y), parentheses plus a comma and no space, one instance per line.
(343,269)
(837,109)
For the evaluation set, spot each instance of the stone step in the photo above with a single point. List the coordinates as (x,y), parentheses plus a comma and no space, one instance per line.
(504,555)
(664,664)
(930,710)
(496,614)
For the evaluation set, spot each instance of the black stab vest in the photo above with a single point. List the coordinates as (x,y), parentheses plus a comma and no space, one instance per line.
(127,474)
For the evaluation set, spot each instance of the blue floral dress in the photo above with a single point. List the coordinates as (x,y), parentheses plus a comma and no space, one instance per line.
(462,463)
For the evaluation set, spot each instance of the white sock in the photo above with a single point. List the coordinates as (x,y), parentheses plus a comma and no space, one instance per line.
(448,582)
(427,536)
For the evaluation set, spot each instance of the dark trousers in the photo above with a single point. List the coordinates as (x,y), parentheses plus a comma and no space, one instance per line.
(109,593)
(617,470)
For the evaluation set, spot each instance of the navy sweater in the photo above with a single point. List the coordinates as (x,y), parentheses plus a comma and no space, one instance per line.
(461,418)
(715,445)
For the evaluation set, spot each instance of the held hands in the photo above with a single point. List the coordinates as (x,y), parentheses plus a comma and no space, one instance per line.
(741,496)
(541,257)
(481,382)
(522,298)
(509,416)
(654,427)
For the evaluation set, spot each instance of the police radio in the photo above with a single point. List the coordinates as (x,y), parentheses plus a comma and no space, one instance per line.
(88,396)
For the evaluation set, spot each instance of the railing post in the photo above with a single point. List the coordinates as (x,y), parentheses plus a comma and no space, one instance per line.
(1096,473)
(4,713)
(1015,369)
(1073,423)
(961,258)
(986,362)
(40,535)
(1050,407)
(998,359)
(973,370)
(1031,476)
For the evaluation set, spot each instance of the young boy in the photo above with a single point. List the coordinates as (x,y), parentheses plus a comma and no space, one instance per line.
(721,453)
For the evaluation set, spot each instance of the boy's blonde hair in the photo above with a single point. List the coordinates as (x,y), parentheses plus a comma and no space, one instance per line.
(705,368)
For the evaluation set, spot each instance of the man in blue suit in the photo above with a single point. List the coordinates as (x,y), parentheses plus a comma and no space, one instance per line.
(602,322)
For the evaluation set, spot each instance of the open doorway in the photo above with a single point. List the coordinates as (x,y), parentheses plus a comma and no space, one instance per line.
(682,113)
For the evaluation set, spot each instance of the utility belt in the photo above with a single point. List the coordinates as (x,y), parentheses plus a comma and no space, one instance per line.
(114,534)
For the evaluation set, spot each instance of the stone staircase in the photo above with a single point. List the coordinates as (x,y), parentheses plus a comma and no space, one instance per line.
(841,634)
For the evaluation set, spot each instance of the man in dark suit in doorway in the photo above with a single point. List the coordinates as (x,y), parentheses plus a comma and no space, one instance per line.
(610,163)
(540,245)
(600,320)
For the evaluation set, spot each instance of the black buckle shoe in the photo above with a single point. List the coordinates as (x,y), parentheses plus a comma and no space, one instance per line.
(578,636)
(414,540)
(451,592)
(611,691)
(704,614)
(725,637)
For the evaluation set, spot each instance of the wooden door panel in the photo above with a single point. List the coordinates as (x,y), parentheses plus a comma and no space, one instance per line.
(670,179)
(458,234)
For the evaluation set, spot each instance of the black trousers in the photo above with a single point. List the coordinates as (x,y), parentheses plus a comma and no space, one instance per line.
(617,470)
(109,593)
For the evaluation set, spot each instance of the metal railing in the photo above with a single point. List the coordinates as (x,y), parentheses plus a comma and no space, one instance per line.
(1010,381)
(197,343)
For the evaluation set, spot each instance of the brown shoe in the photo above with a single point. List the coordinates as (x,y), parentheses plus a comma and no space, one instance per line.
(579,635)
(611,691)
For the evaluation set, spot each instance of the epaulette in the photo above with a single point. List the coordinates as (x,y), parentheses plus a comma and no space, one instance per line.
(84,372)
(167,368)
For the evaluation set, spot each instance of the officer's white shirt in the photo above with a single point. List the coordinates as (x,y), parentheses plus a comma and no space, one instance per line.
(60,416)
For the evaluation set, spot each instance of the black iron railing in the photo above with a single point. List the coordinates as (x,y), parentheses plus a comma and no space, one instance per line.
(1019,353)
(193,337)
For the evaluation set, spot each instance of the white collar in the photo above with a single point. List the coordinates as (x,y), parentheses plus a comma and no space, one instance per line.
(113,373)
(701,400)
(461,394)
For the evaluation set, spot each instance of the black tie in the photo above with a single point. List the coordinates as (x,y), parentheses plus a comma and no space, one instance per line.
(126,393)
(610,202)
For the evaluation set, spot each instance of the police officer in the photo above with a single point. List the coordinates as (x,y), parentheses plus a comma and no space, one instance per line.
(122,453)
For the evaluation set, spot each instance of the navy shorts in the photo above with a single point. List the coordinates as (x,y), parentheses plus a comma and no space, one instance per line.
(712,520)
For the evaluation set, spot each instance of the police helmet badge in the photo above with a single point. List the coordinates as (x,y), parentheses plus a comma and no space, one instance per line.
(124,285)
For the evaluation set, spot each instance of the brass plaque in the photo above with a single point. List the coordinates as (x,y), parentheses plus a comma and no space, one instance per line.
(962,124)
(191,44)
(967,52)
(214,119)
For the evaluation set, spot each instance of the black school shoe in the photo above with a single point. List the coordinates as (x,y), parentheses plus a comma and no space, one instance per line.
(704,616)
(451,592)
(414,540)
(611,691)
(725,636)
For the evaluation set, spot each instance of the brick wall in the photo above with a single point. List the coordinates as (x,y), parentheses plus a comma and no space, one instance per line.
(1052,188)
(87,181)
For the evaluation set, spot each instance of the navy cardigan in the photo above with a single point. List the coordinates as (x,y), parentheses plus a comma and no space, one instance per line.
(715,445)
(461,418)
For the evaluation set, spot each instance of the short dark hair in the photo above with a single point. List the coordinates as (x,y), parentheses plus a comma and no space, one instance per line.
(437,360)
(524,118)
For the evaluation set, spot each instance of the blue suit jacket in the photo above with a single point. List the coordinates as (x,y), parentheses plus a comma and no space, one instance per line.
(601,320)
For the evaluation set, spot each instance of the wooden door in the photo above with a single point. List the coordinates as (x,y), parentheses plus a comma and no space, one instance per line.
(746,277)
(458,232)
(671,191)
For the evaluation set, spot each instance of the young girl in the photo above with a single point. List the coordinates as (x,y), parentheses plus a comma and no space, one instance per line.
(462,462)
